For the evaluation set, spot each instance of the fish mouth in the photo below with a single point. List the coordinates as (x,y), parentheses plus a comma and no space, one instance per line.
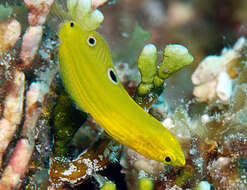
(180,161)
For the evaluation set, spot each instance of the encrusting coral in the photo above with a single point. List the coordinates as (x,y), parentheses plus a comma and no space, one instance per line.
(9,34)
(213,77)
(35,96)
(38,11)
(13,112)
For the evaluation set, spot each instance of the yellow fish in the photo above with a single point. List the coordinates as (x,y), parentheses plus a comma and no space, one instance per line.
(91,80)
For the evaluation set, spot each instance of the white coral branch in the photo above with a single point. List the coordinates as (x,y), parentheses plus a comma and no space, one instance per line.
(12,115)
(213,77)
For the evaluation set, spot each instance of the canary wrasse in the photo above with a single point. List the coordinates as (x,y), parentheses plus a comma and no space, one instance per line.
(91,80)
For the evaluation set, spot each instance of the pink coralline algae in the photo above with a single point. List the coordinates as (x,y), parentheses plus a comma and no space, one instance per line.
(12,115)
(15,98)
(30,45)
(38,11)
(9,34)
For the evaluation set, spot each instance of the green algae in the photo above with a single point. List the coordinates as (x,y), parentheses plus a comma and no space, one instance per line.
(175,57)
(140,36)
(5,12)
(66,121)
(130,52)
(145,184)
(108,186)
(184,177)
(81,12)
(147,63)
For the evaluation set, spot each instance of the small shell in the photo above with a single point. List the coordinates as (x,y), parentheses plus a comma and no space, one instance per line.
(203,185)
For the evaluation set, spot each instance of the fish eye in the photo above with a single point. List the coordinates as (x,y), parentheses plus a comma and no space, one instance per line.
(91,40)
(168,159)
(72,24)
(112,76)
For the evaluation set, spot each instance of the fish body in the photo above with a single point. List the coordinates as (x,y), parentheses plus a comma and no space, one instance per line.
(91,80)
